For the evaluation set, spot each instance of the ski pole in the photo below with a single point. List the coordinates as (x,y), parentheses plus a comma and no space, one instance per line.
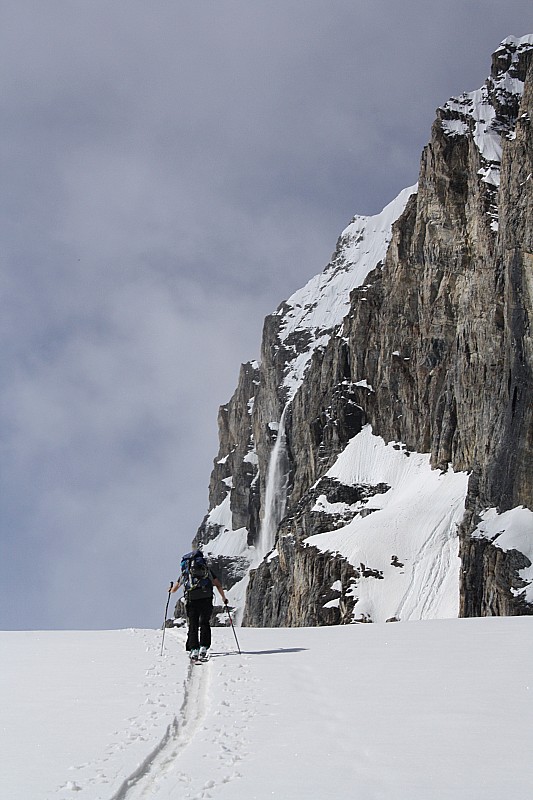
(232,626)
(165,620)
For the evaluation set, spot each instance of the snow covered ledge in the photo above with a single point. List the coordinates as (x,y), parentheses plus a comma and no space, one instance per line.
(511,530)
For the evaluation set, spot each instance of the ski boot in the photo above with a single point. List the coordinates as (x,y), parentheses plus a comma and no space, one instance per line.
(204,654)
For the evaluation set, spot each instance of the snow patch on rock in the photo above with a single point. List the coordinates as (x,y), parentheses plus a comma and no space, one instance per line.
(415,521)
(511,530)
(481,113)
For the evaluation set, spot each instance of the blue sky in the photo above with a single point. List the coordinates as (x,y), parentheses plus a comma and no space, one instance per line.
(171,172)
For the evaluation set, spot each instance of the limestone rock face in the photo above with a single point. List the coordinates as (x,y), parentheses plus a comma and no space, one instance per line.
(300,587)
(491,583)
(235,468)
(420,327)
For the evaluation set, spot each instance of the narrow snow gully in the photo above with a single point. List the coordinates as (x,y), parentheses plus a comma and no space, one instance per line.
(161,764)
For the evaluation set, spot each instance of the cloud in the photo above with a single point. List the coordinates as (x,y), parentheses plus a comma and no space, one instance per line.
(171,172)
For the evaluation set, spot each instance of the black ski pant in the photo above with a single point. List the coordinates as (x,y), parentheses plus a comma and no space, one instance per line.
(199,615)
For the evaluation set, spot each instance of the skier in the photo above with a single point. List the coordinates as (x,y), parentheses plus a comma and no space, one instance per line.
(198,579)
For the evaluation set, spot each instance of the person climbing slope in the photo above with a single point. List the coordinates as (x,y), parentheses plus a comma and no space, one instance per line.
(198,580)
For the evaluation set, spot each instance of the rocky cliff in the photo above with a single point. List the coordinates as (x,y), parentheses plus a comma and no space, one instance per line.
(377,462)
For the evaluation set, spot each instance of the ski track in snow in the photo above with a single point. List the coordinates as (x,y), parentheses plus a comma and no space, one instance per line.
(165,770)
(145,781)
(430,569)
(100,774)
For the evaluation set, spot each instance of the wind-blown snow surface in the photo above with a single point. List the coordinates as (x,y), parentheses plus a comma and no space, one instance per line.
(441,709)
(415,521)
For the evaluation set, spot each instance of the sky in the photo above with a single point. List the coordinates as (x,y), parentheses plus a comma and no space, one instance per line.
(171,171)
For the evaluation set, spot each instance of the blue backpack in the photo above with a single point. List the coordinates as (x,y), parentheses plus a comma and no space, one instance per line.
(195,576)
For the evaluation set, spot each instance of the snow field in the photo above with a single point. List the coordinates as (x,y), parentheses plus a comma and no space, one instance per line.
(81,710)
(441,709)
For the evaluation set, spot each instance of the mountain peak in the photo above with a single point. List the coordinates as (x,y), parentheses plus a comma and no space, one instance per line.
(489,114)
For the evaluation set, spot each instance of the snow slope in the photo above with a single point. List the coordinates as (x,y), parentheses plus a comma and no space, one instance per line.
(80,711)
(321,305)
(441,709)
(410,538)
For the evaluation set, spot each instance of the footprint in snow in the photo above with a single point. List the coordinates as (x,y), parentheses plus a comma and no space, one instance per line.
(232,777)
(71,786)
